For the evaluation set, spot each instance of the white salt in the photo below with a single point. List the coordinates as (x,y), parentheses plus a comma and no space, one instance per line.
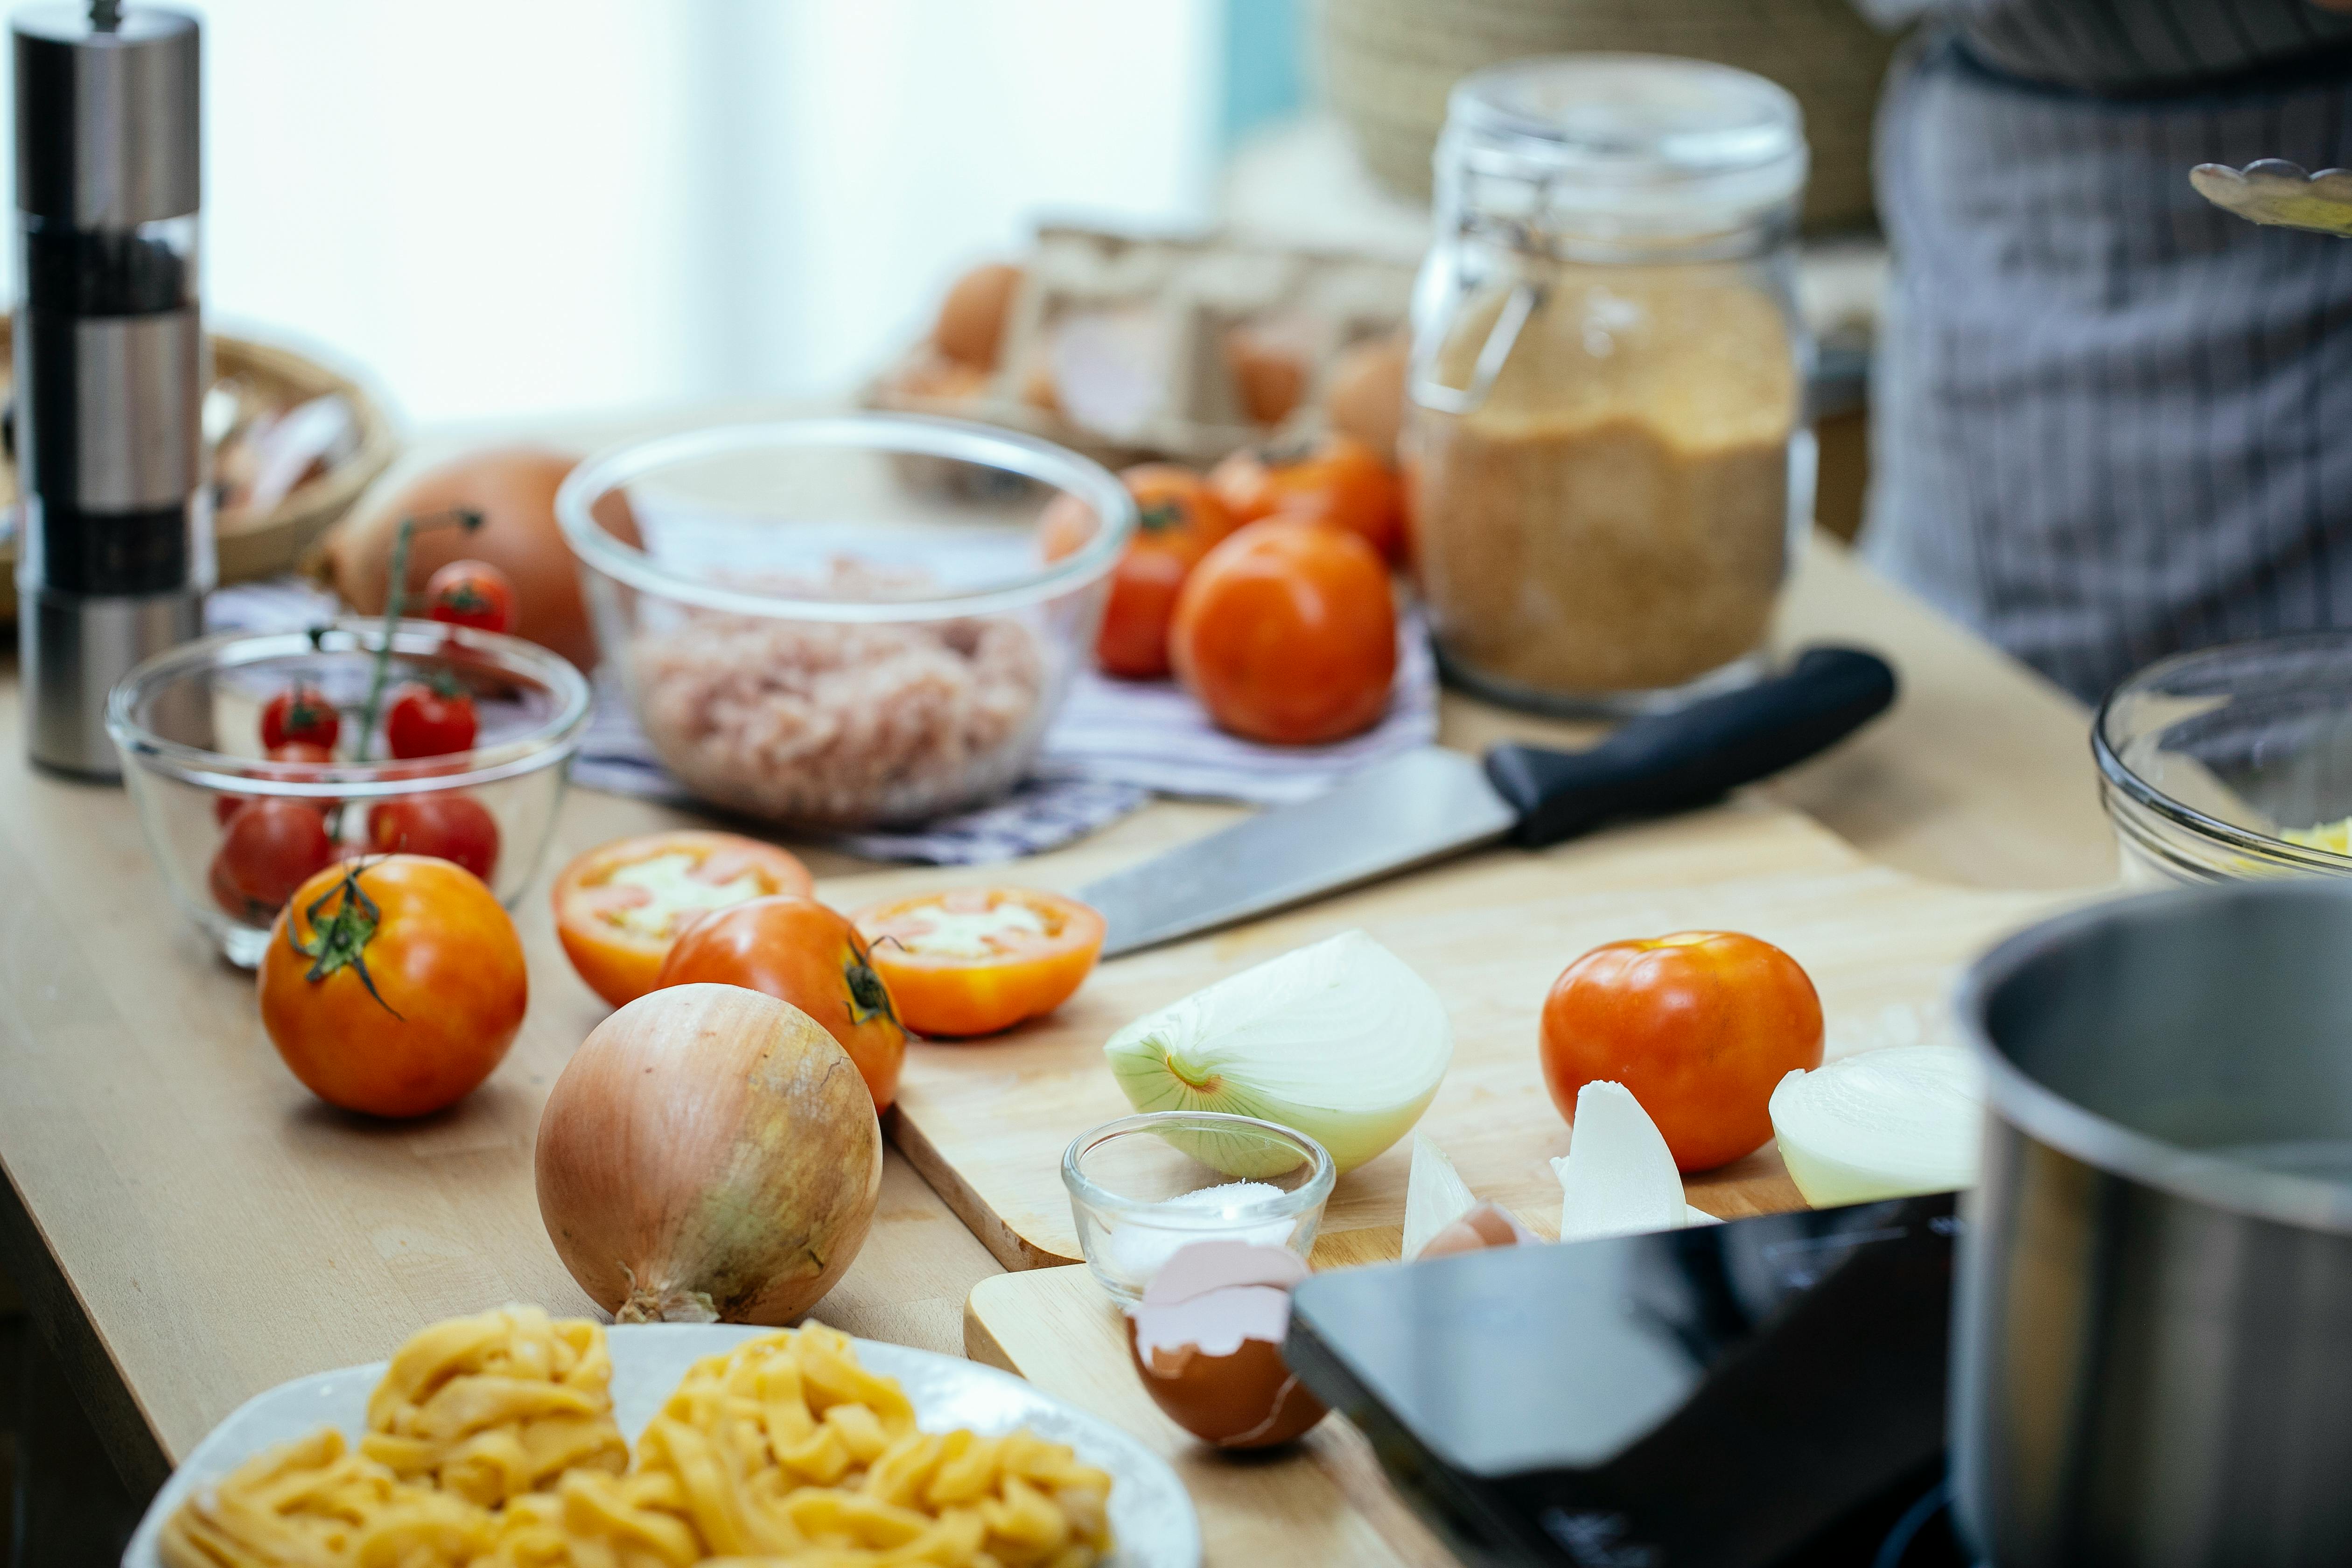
(1138,1247)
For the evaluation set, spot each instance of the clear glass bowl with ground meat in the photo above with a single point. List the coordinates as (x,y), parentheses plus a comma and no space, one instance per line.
(1605,442)
(852,622)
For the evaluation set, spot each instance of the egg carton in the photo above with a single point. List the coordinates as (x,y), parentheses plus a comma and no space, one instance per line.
(1130,347)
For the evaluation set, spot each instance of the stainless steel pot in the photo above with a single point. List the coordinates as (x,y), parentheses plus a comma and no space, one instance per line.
(2152,1357)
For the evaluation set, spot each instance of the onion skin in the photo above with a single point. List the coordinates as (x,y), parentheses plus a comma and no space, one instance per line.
(710,1154)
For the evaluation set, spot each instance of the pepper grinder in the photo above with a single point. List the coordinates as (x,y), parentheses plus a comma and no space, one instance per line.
(115,540)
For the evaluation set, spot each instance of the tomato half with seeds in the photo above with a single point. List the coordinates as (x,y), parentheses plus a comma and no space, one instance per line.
(393,986)
(980,960)
(448,825)
(800,951)
(620,907)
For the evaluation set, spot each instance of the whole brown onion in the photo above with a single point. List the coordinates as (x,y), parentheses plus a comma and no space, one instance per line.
(710,1154)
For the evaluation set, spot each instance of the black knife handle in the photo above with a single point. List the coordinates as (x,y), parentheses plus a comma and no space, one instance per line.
(1694,754)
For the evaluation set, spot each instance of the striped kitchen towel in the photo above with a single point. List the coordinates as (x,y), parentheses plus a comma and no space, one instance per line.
(1115,744)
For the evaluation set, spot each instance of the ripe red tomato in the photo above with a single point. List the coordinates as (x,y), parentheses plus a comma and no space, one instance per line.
(1338,480)
(1701,1027)
(471,594)
(226,806)
(299,713)
(446,824)
(423,722)
(800,951)
(270,846)
(1286,633)
(1178,522)
(395,986)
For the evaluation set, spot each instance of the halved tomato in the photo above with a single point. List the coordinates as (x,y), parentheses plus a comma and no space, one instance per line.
(619,907)
(978,959)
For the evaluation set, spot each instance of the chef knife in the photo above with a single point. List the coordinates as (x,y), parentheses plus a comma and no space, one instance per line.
(1431,803)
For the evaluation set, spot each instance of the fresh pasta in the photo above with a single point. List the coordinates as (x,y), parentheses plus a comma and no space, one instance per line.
(497,1405)
(314,1504)
(491,1444)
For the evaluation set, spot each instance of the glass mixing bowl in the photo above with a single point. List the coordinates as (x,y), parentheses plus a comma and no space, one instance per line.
(216,811)
(2233,761)
(845,621)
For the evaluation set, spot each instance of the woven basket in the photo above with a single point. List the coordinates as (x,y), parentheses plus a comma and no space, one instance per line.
(248,544)
(1389,64)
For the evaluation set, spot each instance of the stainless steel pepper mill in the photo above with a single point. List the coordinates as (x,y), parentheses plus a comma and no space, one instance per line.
(115,542)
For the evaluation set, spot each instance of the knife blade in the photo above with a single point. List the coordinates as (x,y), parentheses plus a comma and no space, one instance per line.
(1430,804)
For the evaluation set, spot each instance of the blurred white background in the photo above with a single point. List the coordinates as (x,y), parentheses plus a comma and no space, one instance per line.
(493,208)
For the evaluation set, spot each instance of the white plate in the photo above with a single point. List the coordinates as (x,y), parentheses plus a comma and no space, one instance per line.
(1150,1513)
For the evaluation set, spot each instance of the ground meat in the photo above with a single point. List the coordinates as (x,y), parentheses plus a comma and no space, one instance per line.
(842,725)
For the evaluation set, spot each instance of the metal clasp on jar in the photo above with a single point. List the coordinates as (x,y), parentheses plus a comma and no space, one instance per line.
(1501,338)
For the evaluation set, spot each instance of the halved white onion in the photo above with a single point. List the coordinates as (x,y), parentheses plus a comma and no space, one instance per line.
(1882,1124)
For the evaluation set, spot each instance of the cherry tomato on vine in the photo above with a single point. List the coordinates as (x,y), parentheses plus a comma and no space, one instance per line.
(1701,1027)
(471,594)
(800,951)
(269,849)
(226,806)
(444,823)
(393,986)
(299,713)
(423,722)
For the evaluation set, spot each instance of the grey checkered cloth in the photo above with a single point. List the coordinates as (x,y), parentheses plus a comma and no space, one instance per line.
(1115,744)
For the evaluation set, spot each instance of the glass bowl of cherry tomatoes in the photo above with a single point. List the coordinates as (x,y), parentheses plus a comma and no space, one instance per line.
(259,759)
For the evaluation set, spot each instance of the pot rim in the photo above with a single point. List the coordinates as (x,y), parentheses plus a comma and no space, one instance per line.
(2041,1112)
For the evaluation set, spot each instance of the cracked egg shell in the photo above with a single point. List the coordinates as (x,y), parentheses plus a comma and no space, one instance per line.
(1206,1340)
(1488,1225)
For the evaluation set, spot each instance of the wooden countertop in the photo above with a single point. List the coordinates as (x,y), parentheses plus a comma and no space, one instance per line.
(191,1228)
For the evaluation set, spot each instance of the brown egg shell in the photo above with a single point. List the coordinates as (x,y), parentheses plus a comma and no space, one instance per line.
(1484,1227)
(1249,1399)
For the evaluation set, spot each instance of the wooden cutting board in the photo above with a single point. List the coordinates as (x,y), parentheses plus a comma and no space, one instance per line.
(987,1124)
(1322,1502)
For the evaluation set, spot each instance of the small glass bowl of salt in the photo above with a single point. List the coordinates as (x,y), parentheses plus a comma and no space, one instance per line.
(1142,1188)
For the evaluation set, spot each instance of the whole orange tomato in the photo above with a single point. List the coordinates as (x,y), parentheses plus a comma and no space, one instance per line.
(1701,1027)
(977,960)
(800,951)
(619,907)
(1286,633)
(393,986)
(1337,480)
(1177,522)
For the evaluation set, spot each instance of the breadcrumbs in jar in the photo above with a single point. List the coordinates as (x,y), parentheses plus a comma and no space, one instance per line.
(1614,516)
(1604,438)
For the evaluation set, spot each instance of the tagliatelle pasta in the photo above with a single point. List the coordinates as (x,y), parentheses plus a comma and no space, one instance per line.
(314,1504)
(783,1453)
(497,1404)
